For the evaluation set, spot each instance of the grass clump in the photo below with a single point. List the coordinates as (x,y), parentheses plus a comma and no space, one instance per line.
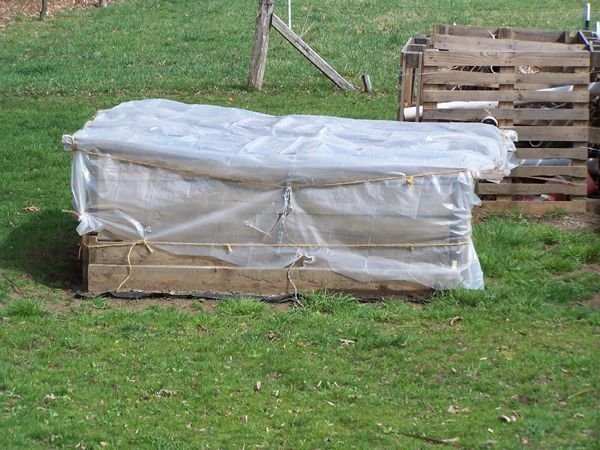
(243,307)
(24,309)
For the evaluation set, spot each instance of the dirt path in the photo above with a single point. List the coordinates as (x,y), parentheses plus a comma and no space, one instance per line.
(12,8)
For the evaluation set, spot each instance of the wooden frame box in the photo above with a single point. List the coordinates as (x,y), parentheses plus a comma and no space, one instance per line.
(510,73)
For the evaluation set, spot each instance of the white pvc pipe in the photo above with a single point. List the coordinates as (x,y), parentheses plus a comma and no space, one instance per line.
(588,14)
(409,113)
(289,14)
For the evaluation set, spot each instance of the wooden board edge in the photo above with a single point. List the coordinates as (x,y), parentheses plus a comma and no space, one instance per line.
(234,280)
(573,206)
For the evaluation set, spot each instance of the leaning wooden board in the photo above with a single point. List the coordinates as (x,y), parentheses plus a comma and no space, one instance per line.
(507,67)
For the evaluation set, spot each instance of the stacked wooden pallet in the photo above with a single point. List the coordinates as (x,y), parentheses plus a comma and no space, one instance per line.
(503,76)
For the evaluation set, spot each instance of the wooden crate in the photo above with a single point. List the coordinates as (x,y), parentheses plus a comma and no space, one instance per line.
(507,67)
(106,264)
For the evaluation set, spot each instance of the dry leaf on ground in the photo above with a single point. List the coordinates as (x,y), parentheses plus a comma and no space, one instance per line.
(454,409)
(272,335)
(455,320)
(166,393)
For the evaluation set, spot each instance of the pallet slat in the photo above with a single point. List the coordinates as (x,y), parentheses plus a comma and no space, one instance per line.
(523,34)
(578,153)
(574,206)
(506,59)
(517,115)
(486,79)
(594,135)
(503,96)
(552,133)
(499,59)
(530,189)
(537,171)
(472,43)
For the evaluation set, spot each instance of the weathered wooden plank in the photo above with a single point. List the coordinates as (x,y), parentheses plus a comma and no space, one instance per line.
(310,54)
(406,83)
(581,106)
(260,45)
(419,89)
(503,59)
(461,30)
(519,114)
(531,34)
(552,133)
(468,43)
(84,257)
(504,96)
(422,39)
(541,171)
(573,206)
(525,34)
(552,152)
(410,53)
(141,255)
(233,280)
(593,205)
(428,104)
(506,87)
(91,242)
(488,79)
(530,189)
(412,58)
(366,79)
(594,135)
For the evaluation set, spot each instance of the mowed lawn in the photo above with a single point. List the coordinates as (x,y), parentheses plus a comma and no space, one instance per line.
(514,366)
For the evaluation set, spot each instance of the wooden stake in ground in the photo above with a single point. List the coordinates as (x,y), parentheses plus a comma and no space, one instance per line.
(367,83)
(264,20)
(261,44)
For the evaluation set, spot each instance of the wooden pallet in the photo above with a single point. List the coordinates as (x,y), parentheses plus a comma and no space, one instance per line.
(159,271)
(467,64)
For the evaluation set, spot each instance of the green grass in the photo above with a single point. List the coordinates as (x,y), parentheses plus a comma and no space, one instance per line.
(334,374)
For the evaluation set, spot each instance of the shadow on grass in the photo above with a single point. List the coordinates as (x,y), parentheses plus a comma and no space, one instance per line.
(45,247)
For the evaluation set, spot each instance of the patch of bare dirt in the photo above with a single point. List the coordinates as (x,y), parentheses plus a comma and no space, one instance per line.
(593,302)
(12,8)
(573,222)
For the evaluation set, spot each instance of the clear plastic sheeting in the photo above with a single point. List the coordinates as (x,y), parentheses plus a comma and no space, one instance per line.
(371,200)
